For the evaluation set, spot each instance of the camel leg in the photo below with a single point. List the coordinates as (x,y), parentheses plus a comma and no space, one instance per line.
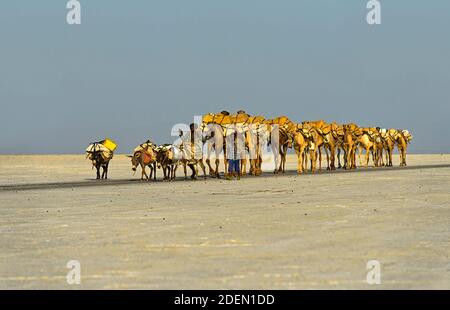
(305,160)
(345,158)
(367,157)
(243,164)
(404,156)
(203,168)
(390,157)
(313,155)
(280,169)
(402,152)
(348,164)
(339,157)
(196,171)
(185,170)
(359,149)
(275,158)
(208,163)
(284,158)
(216,172)
(375,157)
(299,161)
(320,158)
(166,172)
(174,170)
(333,157)
(328,158)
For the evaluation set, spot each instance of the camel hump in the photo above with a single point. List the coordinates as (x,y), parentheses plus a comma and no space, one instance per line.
(208,118)
(239,118)
(255,120)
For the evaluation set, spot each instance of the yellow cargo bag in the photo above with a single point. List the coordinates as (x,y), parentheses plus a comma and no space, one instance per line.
(109,144)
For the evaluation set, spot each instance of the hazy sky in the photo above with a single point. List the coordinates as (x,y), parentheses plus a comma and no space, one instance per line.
(133,68)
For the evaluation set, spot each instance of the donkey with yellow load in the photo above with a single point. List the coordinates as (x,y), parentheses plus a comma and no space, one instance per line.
(100,153)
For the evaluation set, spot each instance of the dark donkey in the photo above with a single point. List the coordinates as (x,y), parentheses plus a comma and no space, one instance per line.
(99,161)
(100,156)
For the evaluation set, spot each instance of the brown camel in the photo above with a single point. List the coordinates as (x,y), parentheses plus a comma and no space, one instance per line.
(367,141)
(316,143)
(393,137)
(281,136)
(337,132)
(351,134)
(301,142)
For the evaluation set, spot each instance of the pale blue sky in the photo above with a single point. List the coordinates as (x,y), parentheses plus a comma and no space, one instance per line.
(135,68)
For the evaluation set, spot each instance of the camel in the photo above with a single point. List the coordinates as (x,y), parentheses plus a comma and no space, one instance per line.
(144,156)
(351,134)
(301,142)
(367,141)
(393,137)
(213,129)
(281,138)
(257,136)
(405,137)
(334,140)
(191,149)
(379,147)
(388,146)
(331,141)
(323,139)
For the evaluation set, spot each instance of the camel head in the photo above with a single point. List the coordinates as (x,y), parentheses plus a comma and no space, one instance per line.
(407,135)
(383,132)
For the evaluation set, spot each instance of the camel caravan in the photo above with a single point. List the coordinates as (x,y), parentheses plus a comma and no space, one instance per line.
(239,142)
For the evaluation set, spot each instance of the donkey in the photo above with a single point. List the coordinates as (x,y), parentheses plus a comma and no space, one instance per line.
(98,161)
(144,156)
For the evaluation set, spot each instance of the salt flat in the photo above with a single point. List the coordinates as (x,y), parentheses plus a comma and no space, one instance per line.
(281,232)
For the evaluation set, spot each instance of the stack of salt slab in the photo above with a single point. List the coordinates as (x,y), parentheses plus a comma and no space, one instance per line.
(105,147)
